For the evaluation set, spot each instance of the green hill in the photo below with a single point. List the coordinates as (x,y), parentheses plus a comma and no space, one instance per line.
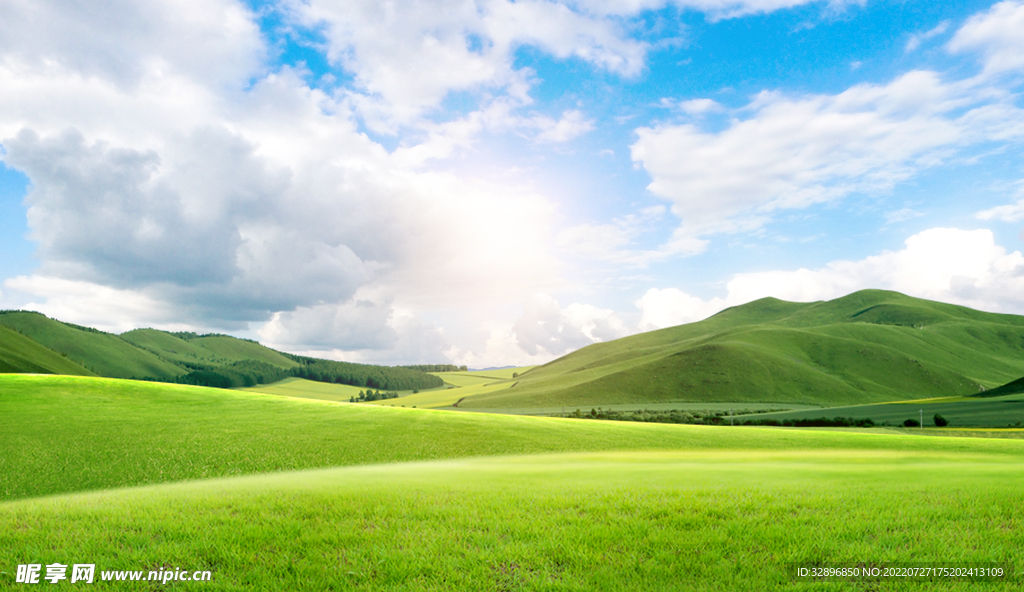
(101,353)
(204,350)
(170,347)
(870,346)
(20,354)
(1011,388)
(207,360)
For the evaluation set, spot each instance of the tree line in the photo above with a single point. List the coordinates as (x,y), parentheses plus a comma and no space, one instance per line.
(392,378)
(436,368)
(372,396)
(253,372)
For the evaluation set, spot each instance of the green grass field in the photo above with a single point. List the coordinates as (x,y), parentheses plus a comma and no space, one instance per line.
(973,412)
(307,389)
(679,520)
(492,502)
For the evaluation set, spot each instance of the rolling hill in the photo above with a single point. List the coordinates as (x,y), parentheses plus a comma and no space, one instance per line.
(20,354)
(34,343)
(102,353)
(869,346)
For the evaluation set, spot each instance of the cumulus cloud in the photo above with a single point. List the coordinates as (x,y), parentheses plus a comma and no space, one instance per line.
(671,306)
(94,305)
(792,152)
(214,41)
(547,328)
(407,56)
(366,328)
(946,264)
(996,34)
(232,204)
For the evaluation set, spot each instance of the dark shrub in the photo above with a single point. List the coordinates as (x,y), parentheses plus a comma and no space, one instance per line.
(911,423)
(940,421)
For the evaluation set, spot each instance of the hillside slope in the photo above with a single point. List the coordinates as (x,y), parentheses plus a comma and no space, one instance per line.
(101,353)
(20,354)
(204,350)
(208,360)
(870,346)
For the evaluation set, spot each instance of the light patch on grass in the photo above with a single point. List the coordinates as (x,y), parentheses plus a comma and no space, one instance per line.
(686,520)
(307,389)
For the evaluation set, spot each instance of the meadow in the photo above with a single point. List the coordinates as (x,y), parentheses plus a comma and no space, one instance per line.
(138,476)
(1005,411)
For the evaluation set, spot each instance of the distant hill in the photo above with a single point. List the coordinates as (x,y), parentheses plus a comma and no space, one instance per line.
(22,355)
(33,343)
(870,346)
(102,353)
(1011,388)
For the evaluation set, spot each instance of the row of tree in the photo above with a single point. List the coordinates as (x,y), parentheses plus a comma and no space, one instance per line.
(437,368)
(373,396)
(717,418)
(253,372)
(392,378)
(238,374)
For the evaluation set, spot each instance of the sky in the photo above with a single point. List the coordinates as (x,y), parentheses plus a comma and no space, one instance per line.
(492,183)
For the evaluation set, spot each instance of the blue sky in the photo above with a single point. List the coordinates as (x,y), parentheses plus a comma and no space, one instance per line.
(490,182)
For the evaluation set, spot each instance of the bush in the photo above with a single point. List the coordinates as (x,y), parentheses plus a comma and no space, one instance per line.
(940,421)
(911,423)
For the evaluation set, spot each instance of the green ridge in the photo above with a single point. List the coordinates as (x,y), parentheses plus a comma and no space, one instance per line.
(1014,387)
(234,349)
(870,346)
(20,354)
(99,352)
(170,347)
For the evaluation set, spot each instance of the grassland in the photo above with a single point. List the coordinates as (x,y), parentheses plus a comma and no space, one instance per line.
(307,389)
(616,521)
(989,412)
(64,434)
(868,347)
(490,502)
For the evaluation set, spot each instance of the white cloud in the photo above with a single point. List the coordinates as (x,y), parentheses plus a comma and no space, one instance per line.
(408,55)
(915,40)
(671,306)
(546,328)
(571,125)
(214,41)
(231,204)
(365,329)
(614,242)
(998,34)
(1009,213)
(792,152)
(94,305)
(901,215)
(943,264)
(715,9)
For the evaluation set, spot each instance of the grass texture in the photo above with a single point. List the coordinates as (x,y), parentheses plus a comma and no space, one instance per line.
(671,520)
